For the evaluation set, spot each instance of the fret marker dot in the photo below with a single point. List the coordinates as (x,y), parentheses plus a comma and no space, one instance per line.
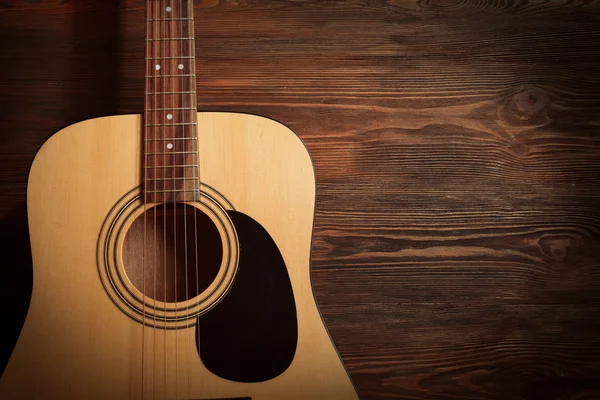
(169,117)
(180,66)
(169,9)
(169,146)
(157,67)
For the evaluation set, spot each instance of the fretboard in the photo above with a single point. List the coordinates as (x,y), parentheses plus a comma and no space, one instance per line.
(170,160)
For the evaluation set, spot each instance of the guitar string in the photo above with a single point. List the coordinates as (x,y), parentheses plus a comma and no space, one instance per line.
(156,105)
(197,184)
(151,131)
(165,104)
(148,31)
(174,175)
(185,240)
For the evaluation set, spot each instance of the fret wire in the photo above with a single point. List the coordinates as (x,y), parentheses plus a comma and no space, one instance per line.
(172,124)
(165,39)
(179,138)
(168,76)
(171,179)
(159,93)
(170,108)
(169,58)
(169,19)
(173,152)
(188,190)
(171,166)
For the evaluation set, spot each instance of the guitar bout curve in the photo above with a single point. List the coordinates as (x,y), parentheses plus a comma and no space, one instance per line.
(76,343)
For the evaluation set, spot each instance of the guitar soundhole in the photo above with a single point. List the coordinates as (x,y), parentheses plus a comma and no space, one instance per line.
(182,255)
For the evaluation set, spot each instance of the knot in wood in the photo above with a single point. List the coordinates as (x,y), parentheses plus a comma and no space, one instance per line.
(527,108)
(528,103)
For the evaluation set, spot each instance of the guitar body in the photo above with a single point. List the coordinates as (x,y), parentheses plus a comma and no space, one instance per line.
(253,333)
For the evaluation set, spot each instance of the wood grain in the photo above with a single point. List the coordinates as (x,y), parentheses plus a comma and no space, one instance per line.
(456,149)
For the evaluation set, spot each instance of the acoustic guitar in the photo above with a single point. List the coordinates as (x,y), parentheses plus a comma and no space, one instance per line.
(171,251)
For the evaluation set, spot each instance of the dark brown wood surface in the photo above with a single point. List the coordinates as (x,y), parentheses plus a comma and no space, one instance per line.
(457,151)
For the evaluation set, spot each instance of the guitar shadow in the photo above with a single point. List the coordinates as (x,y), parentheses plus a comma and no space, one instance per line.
(90,89)
(16,278)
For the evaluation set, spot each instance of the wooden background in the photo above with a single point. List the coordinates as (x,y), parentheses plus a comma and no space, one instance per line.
(457,152)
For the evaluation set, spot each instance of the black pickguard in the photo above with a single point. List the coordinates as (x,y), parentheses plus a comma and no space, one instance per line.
(251,335)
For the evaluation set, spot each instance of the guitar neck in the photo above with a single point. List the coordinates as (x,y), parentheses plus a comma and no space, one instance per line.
(170,111)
